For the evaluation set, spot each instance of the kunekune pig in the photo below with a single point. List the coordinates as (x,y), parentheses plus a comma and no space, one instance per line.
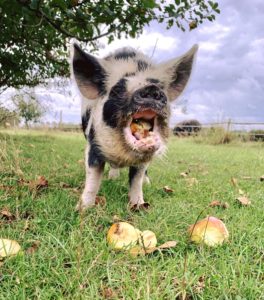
(125,113)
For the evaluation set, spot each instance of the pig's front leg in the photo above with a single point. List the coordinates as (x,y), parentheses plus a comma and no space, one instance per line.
(136,178)
(94,172)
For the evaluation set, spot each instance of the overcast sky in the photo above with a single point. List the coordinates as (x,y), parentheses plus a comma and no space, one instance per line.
(228,79)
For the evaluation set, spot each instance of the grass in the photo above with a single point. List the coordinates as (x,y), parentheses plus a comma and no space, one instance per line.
(70,258)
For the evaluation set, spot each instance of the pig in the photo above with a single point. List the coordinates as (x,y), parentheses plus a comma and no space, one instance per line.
(126,101)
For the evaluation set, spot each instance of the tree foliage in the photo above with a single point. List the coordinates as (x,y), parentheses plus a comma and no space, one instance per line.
(28,107)
(34,33)
(7,116)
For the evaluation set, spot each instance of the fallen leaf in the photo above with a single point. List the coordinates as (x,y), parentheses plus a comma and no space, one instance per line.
(234,182)
(200,285)
(22,182)
(167,189)
(64,185)
(83,286)
(247,177)
(261,178)
(216,203)
(100,200)
(167,245)
(108,293)
(116,218)
(8,247)
(33,248)
(6,187)
(244,201)
(38,184)
(184,174)
(7,215)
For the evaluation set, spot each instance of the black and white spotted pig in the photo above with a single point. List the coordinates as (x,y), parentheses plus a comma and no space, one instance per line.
(125,111)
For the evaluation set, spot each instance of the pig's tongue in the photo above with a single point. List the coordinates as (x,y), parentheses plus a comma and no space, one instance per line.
(146,114)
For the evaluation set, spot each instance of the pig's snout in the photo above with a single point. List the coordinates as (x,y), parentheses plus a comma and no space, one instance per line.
(152,95)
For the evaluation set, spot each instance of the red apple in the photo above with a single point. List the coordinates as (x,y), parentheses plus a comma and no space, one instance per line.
(210,231)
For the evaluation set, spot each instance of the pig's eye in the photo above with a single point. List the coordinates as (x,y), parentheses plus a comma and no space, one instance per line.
(136,121)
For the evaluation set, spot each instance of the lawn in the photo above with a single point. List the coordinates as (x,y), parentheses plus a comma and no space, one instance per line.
(65,255)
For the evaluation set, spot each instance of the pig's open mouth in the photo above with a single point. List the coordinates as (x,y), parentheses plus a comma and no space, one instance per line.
(141,132)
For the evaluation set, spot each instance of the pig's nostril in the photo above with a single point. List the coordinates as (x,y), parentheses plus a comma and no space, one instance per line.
(143,94)
(156,95)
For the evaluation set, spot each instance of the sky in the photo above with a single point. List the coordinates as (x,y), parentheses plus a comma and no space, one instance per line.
(228,77)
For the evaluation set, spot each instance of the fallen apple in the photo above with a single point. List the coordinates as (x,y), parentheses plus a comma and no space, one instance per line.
(210,231)
(8,247)
(122,235)
(147,239)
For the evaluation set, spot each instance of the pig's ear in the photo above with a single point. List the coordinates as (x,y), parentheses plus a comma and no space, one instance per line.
(178,71)
(90,76)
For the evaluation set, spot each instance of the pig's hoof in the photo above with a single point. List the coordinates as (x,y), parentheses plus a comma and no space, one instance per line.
(137,207)
(82,206)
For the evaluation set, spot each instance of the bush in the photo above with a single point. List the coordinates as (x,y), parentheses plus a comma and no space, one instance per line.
(216,136)
(187,128)
(257,135)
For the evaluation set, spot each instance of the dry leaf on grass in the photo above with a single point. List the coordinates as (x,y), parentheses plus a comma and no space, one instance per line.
(108,293)
(246,177)
(200,285)
(7,215)
(244,201)
(261,178)
(8,247)
(6,187)
(33,248)
(216,203)
(167,245)
(100,200)
(167,189)
(116,218)
(40,183)
(64,185)
(184,174)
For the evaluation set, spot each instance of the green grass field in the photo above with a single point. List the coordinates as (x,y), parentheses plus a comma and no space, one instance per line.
(65,255)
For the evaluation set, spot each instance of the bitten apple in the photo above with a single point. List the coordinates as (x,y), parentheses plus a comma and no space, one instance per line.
(8,247)
(210,231)
(122,235)
(147,239)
